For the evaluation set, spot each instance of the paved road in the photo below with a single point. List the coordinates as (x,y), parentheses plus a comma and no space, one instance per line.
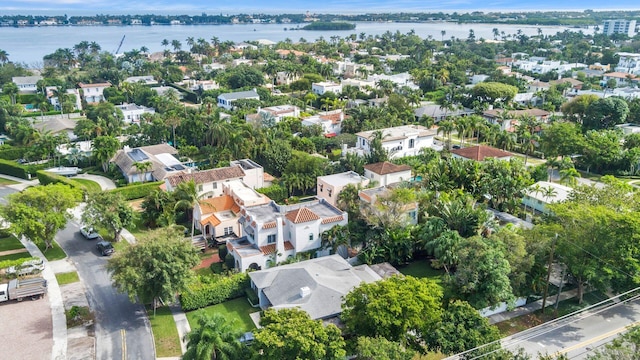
(118,321)
(579,336)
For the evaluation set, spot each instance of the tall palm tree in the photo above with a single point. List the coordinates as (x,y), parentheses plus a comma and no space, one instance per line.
(569,176)
(446,127)
(214,338)
(186,194)
(549,192)
(4,56)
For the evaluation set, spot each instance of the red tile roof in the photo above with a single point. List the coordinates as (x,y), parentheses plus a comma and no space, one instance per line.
(271,248)
(301,215)
(201,177)
(384,168)
(332,219)
(480,153)
(269,225)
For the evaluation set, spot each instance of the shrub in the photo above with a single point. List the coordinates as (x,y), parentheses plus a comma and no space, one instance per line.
(47,178)
(230,261)
(11,152)
(221,289)
(14,169)
(275,192)
(137,191)
(17,262)
(223,251)
(252,296)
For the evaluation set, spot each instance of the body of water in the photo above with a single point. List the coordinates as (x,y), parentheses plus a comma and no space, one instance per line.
(29,44)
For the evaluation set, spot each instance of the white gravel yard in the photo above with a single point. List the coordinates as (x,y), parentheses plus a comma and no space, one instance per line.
(26,330)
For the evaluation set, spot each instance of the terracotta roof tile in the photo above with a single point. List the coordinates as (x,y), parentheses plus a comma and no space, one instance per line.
(480,153)
(271,248)
(332,219)
(384,168)
(269,225)
(211,220)
(301,215)
(218,203)
(201,177)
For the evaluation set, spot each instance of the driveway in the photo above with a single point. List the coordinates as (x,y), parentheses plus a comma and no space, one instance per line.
(27,330)
(118,321)
(105,183)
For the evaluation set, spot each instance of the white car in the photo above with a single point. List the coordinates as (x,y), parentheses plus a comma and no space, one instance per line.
(27,268)
(89,233)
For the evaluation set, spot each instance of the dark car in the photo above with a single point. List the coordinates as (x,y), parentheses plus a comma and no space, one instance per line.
(105,248)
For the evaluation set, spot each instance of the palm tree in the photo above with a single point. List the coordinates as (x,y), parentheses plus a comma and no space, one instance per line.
(176,44)
(569,176)
(446,127)
(549,192)
(214,338)
(442,34)
(4,57)
(186,194)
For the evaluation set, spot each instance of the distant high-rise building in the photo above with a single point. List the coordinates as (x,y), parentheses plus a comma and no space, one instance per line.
(627,27)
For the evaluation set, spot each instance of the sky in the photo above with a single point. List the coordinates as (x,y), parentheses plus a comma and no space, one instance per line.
(91,7)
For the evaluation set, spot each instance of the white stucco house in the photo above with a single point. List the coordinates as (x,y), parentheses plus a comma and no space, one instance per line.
(132,113)
(226,100)
(273,114)
(628,63)
(386,173)
(93,93)
(399,141)
(330,121)
(273,233)
(546,193)
(323,87)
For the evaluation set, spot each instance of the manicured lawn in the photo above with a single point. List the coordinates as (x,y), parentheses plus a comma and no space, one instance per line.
(91,185)
(165,333)
(67,278)
(55,253)
(236,310)
(4,181)
(22,255)
(121,245)
(10,243)
(422,269)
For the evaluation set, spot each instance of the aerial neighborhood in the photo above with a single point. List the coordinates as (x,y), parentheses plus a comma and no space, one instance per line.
(351,197)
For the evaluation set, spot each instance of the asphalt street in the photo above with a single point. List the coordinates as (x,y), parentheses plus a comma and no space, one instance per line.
(122,330)
(579,335)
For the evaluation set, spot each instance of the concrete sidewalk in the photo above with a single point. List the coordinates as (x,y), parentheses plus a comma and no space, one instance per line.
(531,307)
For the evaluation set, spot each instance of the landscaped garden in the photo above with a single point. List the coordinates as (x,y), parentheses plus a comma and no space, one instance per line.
(236,310)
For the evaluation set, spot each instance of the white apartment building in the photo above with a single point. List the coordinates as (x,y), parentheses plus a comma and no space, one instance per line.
(399,141)
(273,233)
(619,26)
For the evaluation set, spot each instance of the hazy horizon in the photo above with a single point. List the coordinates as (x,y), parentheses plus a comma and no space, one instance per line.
(194,7)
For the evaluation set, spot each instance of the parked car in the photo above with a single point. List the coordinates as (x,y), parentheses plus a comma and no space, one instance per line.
(27,268)
(105,248)
(89,233)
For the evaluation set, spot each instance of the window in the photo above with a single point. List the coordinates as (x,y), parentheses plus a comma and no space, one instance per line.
(310,236)
(271,239)
(329,192)
(412,143)
(215,185)
(321,186)
(228,230)
(200,187)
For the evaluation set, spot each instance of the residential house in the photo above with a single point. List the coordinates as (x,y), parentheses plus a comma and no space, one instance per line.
(93,93)
(628,63)
(621,78)
(330,121)
(628,128)
(348,69)
(162,158)
(386,173)
(479,153)
(284,53)
(316,286)
(329,187)
(323,87)
(400,80)
(575,83)
(509,119)
(217,217)
(27,84)
(360,84)
(286,78)
(166,90)
(243,45)
(132,113)
(226,100)
(73,95)
(208,182)
(543,193)
(144,80)
(438,113)
(478,78)
(273,233)
(369,199)
(399,141)
(254,175)
(272,115)
(57,125)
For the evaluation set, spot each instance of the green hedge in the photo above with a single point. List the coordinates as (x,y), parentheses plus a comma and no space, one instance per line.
(12,168)
(137,191)
(220,289)
(46,178)
(275,192)
(9,263)
(11,152)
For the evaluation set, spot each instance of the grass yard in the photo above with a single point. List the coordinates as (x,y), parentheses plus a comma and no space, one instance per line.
(67,278)
(10,243)
(422,269)
(236,310)
(91,185)
(165,333)
(55,253)
(4,181)
(22,255)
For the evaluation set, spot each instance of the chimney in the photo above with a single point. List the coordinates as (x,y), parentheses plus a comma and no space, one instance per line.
(280,256)
(305,291)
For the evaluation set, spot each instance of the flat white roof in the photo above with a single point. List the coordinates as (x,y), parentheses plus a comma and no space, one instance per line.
(343,179)
(561,192)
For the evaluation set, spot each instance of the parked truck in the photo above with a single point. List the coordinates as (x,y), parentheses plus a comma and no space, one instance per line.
(18,289)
